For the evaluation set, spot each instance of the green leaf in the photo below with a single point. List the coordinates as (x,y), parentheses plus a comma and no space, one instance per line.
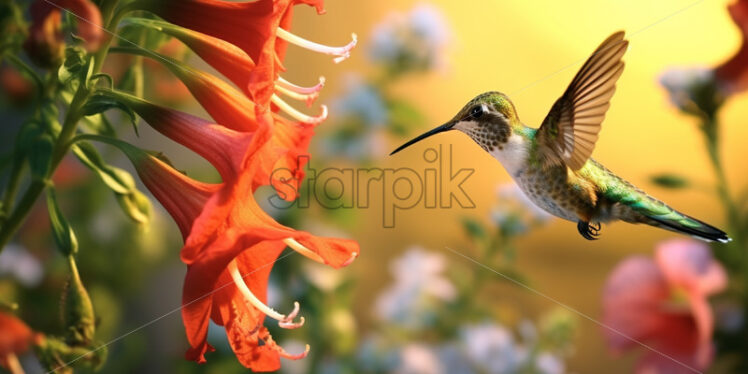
(108,78)
(149,37)
(403,116)
(64,236)
(133,202)
(120,181)
(26,137)
(74,62)
(99,124)
(136,205)
(473,228)
(41,155)
(668,180)
(50,117)
(99,103)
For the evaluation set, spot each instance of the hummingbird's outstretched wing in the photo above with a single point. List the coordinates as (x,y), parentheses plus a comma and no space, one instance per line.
(569,132)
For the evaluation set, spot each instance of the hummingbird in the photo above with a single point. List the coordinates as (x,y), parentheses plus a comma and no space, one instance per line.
(552,163)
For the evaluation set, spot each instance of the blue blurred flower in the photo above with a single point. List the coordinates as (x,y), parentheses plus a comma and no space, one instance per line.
(360,100)
(17,262)
(419,287)
(548,363)
(412,41)
(375,354)
(419,359)
(491,348)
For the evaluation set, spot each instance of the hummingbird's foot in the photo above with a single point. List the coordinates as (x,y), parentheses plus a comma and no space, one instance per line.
(589,231)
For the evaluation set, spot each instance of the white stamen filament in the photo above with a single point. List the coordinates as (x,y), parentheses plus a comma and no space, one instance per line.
(14,366)
(306,252)
(307,98)
(284,321)
(291,111)
(342,53)
(299,89)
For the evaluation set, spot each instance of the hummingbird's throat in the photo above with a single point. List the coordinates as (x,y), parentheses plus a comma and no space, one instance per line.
(491,135)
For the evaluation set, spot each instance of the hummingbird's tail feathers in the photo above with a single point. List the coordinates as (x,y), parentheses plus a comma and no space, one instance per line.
(693,227)
(643,208)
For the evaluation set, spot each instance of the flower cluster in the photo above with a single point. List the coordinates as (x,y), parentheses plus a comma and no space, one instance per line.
(230,242)
(419,283)
(417,307)
(410,42)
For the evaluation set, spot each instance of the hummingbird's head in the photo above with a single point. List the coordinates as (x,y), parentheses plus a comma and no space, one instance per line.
(487,119)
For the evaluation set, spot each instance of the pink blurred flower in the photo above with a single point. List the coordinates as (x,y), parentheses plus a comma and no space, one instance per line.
(663,303)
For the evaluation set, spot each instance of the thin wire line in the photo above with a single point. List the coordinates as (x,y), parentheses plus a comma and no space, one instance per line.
(569,66)
(572,309)
(165,315)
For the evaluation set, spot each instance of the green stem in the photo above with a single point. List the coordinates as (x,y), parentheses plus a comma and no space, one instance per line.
(13,182)
(733,216)
(37,186)
(69,125)
(19,214)
(115,18)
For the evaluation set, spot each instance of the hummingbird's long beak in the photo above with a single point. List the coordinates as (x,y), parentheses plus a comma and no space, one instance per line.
(445,127)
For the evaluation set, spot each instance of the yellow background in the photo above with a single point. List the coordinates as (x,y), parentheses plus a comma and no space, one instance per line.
(514,46)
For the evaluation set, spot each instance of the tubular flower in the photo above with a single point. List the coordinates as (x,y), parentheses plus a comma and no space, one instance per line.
(45,42)
(15,338)
(258,28)
(230,108)
(664,304)
(230,242)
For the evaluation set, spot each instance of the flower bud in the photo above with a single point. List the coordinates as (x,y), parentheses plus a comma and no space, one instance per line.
(78,314)
(44,44)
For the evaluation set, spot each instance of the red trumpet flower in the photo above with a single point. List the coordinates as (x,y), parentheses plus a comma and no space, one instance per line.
(230,242)
(258,28)
(15,338)
(734,72)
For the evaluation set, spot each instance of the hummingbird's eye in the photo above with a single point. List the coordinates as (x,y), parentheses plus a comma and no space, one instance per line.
(478,111)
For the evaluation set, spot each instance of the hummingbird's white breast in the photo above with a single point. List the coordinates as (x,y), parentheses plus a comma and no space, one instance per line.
(513,154)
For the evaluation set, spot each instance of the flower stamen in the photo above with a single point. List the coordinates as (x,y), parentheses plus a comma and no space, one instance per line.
(306,252)
(291,111)
(284,321)
(342,53)
(354,255)
(283,353)
(300,89)
(308,98)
